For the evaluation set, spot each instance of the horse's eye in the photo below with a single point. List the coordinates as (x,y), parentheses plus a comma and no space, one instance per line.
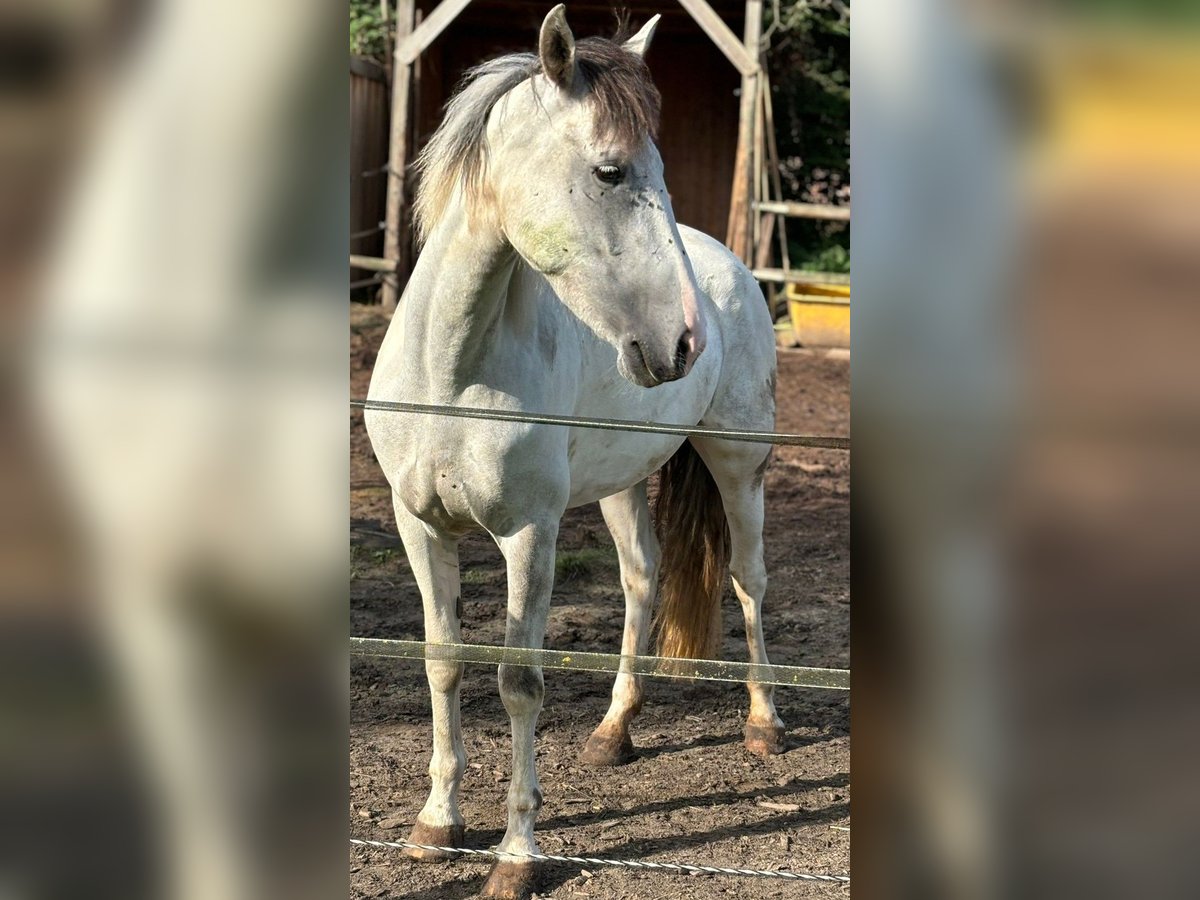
(609,174)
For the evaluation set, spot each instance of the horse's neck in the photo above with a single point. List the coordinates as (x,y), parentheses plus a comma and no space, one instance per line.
(454,302)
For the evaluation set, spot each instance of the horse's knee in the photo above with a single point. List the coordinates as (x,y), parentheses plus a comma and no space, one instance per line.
(637,581)
(444,677)
(753,583)
(521,688)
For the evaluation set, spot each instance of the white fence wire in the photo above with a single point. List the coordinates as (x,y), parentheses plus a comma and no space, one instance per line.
(601,861)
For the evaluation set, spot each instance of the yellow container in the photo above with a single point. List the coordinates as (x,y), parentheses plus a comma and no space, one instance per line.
(820,314)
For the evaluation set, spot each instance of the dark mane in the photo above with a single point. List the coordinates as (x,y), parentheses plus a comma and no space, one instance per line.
(620,89)
(615,82)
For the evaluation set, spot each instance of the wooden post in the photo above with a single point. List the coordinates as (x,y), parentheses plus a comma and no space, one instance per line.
(776,185)
(395,235)
(415,42)
(718,32)
(737,236)
(756,172)
(414,90)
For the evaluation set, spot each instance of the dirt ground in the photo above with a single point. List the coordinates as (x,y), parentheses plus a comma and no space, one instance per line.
(694,795)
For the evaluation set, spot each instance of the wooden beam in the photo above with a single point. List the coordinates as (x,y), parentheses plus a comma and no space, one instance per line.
(793,276)
(372,263)
(395,234)
(414,90)
(776,179)
(737,232)
(756,170)
(805,210)
(414,44)
(714,26)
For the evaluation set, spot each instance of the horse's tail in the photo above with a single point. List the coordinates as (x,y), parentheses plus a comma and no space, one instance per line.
(689,520)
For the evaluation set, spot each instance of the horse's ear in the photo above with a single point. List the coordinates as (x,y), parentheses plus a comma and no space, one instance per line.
(640,42)
(556,47)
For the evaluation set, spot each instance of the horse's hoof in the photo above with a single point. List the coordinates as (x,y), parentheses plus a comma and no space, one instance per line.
(764,740)
(607,748)
(511,881)
(434,836)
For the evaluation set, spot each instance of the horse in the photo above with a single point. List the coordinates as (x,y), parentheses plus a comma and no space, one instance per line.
(553,278)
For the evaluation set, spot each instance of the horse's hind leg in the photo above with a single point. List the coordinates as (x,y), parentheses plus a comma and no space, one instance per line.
(738,471)
(434,563)
(627,515)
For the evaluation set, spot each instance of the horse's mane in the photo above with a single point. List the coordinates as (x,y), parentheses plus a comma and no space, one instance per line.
(616,82)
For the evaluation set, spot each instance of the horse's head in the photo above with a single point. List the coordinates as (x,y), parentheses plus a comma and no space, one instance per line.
(580,195)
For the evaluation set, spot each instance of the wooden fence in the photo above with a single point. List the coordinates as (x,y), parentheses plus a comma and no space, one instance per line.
(369,115)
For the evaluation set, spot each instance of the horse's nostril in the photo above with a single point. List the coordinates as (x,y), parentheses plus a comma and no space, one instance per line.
(636,352)
(682,349)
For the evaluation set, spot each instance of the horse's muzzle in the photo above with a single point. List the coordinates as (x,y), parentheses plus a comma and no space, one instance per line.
(646,368)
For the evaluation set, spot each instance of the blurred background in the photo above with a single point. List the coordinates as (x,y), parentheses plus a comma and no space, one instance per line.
(173,221)
(174,454)
(1025,397)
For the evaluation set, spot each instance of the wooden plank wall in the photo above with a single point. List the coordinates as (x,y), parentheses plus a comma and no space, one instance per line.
(698,137)
(369,113)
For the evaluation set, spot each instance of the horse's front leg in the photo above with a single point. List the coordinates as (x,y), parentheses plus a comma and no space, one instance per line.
(434,563)
(529,555)
(627,515)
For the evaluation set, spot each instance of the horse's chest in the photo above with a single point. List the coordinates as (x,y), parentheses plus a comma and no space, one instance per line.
(450,489)
(466,480)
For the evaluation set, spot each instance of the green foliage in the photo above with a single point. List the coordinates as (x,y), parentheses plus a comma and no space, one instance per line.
(477,575)
(809,66)
(833,257)
(367,31)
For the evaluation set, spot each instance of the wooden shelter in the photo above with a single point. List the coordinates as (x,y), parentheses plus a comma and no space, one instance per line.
(705,61)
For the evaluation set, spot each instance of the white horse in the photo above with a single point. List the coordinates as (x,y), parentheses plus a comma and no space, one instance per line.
(554,279)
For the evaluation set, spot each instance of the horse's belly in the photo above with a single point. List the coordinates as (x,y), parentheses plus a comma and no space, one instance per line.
(603,463)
